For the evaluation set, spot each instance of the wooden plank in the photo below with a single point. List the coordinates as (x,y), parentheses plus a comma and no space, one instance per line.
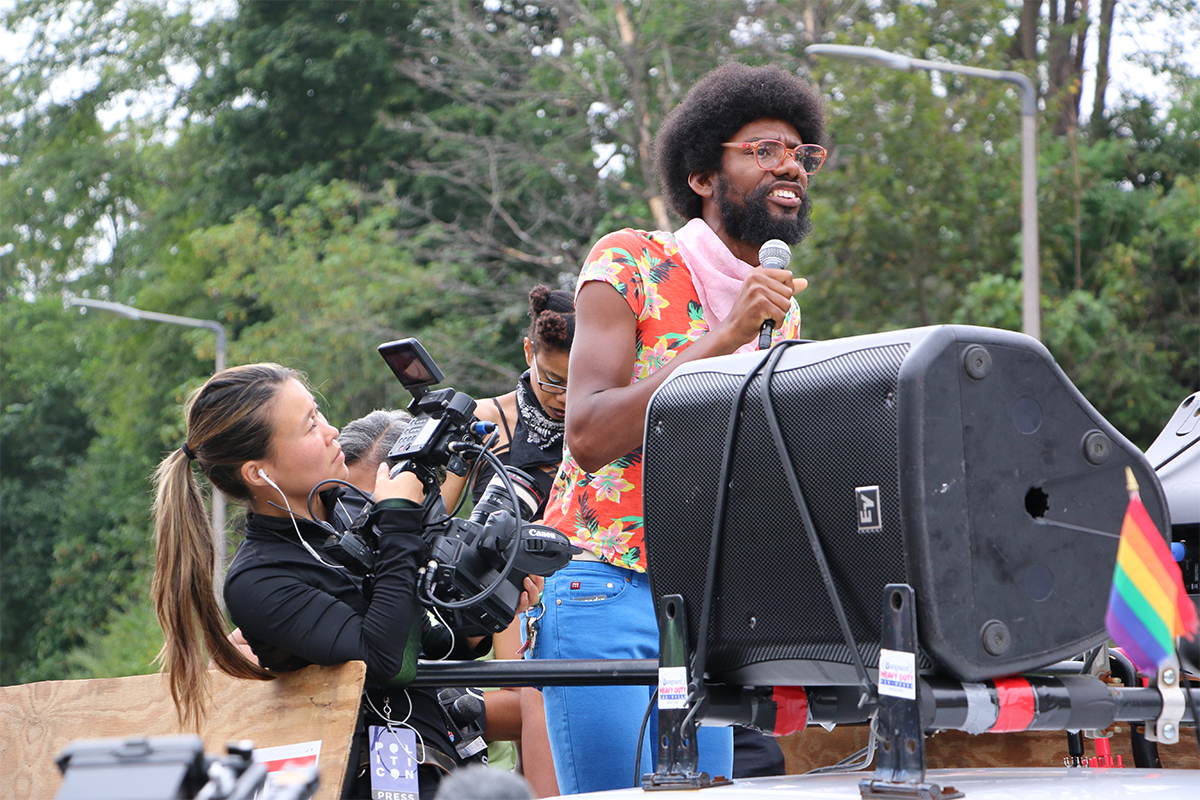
(38,720)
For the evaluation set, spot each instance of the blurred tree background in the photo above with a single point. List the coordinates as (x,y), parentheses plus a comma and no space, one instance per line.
(324,176)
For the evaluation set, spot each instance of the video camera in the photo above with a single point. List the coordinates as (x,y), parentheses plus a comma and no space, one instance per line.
(173,768)
(474,567)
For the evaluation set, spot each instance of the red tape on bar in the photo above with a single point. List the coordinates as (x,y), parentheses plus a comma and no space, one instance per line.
(1017,705)
(791,709)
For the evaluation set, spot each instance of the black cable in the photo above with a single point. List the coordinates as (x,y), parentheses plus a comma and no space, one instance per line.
(699,663)
(470,476)
(489,590)
(637,761)
(462,496)
(364,495)
(814,541)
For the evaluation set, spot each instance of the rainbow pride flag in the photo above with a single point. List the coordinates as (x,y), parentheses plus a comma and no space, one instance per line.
(1148,607)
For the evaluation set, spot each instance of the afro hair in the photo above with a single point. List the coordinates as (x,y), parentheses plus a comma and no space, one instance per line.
(723,101)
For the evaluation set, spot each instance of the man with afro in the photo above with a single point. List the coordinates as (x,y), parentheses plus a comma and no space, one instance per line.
(734,160)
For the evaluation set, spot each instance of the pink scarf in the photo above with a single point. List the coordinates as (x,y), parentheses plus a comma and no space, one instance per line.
(716,273)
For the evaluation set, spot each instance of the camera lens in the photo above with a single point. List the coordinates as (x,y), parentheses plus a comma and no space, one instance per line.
(495,496)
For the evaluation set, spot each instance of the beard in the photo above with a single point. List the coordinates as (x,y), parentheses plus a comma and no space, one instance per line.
(750,220)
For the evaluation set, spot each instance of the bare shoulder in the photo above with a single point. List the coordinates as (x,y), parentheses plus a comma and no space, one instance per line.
(485,409)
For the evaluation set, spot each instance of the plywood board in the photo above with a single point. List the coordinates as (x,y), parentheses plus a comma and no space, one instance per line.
(37,720)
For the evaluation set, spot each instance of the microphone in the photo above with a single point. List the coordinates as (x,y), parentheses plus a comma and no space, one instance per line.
(774,254)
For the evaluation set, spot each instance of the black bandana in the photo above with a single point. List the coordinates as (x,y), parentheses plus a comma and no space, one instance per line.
(536,438)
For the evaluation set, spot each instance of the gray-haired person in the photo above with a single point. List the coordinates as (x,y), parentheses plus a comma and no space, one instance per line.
(366,442)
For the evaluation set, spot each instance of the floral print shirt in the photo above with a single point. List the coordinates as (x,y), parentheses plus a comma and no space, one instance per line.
(602,511)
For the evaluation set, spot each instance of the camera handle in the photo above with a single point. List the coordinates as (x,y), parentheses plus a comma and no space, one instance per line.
(429,482)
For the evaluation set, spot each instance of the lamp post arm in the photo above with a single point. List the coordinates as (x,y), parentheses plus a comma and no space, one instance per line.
(130,312)
(1028,91)
(215,327)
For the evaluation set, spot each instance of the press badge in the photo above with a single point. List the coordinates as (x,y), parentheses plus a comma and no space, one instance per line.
(393,763)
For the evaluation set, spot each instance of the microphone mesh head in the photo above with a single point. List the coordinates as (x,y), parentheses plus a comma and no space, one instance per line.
(774,254)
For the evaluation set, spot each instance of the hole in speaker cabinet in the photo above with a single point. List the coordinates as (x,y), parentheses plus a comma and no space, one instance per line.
(897,601)
(1037,502)
(671,610)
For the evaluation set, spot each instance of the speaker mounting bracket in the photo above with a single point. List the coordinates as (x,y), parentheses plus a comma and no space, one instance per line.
(679,702)
(900,769)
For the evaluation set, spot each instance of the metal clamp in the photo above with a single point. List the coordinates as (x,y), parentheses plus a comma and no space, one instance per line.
(1166,727)
(678,755)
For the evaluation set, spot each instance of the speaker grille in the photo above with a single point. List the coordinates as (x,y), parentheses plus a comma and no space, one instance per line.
(839,422)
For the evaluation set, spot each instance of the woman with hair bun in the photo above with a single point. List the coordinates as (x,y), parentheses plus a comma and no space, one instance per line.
(530,423)
(530,419)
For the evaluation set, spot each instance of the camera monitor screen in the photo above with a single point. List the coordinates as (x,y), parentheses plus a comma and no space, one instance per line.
(411,364)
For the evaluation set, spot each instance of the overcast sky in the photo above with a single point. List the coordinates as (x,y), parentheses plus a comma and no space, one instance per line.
(1131,43)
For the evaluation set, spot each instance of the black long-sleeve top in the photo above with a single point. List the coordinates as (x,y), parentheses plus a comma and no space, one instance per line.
(295,610)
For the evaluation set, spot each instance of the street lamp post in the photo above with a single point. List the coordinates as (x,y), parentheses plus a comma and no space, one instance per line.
(1031,318)
(218,499)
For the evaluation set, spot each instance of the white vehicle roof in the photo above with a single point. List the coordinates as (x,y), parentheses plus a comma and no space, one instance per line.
(975,784)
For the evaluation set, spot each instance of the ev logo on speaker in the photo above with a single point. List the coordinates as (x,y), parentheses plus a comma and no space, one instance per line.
(869,518)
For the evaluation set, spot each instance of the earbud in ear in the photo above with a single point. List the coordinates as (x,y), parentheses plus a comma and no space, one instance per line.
(263,474)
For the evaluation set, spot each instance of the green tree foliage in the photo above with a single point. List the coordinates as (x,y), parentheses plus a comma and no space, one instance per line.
(1121,277)
(126,645)
(44,434)
(324,176)
(329,280)
(918,218)
(73,189)
(304,93)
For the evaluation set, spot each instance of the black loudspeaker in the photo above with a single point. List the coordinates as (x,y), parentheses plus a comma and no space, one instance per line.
(959,460)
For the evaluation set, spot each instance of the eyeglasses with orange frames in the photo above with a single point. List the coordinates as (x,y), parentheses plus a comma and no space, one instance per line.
(770,153)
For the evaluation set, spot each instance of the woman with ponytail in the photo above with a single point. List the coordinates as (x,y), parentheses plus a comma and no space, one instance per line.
(257,435)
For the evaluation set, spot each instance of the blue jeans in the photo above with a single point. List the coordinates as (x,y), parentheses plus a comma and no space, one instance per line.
(597,610)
